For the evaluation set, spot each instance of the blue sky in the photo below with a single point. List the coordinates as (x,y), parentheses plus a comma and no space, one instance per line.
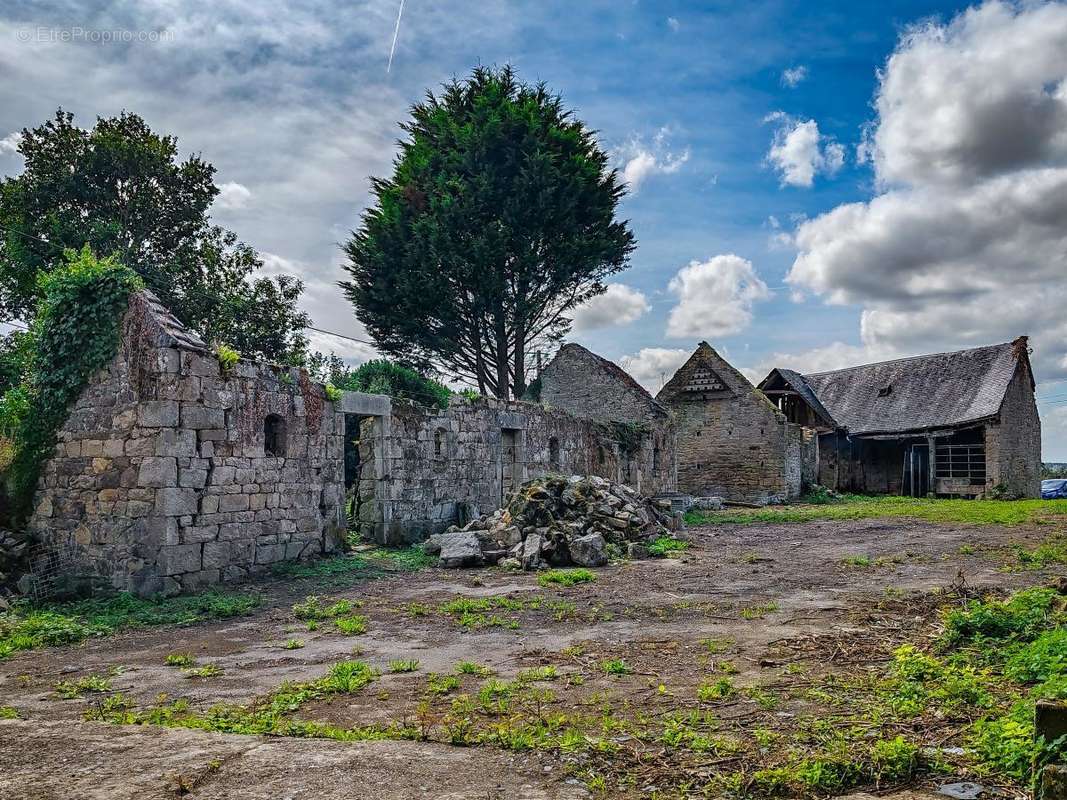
(762,224)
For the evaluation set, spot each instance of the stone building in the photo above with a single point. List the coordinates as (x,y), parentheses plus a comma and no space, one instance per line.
(956,424)
(173,472)
(731,441)
(590,386)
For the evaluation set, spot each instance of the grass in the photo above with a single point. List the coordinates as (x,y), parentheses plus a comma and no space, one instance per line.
(856,561)
(565,577)
(206,671)
(849,507)
(404,665)
(666,546)
(27,627)
(356,567)
(353,625)
(616,666)
(759,611)
(178,660)
(8,712)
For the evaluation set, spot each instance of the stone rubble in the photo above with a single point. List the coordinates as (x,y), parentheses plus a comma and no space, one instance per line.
(558,521)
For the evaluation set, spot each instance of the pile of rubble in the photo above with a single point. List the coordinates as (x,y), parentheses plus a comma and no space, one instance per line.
(12,557)
(559,521)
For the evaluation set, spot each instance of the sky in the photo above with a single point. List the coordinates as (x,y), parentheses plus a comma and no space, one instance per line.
(811,184)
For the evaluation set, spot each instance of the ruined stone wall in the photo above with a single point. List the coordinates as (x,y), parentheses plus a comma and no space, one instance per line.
(1013,441)
(583,384)
(161,483)
(428,468)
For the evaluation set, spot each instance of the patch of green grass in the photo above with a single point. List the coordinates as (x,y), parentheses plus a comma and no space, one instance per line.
(69,690)
(441,684)
(353,625)
(417,609)
(26,627)
(406,559)
(545,673)
(341,569)
(206,671)
(293,644)
(178,660)
(664,546)
(848,507)
(8,712)
(402,665)
(716,645)
(856,561)
(615,666)
(318,609)
(759,611)
(1052,551)
(565,577)
(1022,617)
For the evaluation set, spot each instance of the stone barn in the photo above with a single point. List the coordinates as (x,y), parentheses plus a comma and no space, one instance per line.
(590,386)
(955,424)
(174,472)
(731,441)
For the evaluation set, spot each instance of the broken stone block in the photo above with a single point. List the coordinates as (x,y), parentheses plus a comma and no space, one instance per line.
(461,549)
(531,551)
(588,551)
(1052,783)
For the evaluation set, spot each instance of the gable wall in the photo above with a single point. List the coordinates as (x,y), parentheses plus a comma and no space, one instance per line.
(1013,441)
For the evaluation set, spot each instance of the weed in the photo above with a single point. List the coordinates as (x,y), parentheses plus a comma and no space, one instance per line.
(856,561)
(545,673)
(665,546)
(615,666)
(759,611)
(472,668)
(417,609)
(8,712)
(399,665)
(565,577)
(317,609)
(293,644)
(352,626)
(715,646)
(721,689)
(227,356)
(206,671)
(178,660)
(69,690)
(441,684)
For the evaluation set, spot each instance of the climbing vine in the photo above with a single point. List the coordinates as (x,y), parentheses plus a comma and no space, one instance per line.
(75,332)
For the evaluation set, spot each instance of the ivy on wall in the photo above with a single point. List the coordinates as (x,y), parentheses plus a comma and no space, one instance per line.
(74,334)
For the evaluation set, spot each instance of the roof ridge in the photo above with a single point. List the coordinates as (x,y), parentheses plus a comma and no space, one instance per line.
(905,358)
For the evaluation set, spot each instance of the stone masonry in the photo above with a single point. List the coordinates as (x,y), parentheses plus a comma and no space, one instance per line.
(161,481)
(731,441)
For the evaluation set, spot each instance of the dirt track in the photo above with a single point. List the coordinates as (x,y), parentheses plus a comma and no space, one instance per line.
(652,613)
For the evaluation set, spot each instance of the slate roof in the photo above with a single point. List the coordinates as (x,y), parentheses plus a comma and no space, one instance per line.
(942,390)
(172,333)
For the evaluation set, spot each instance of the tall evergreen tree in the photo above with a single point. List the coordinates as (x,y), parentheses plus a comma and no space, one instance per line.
(498,220)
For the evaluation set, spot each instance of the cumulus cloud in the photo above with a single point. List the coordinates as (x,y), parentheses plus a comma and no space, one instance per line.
(967,242)
(654,366)
(715,297)
(835,355)
(639,160)
(983,95)
(674,24)
(794,76)
(799,151)
(10,143)
(619,305)
(232,196)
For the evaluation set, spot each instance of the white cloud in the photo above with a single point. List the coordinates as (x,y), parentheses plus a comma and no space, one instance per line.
(966,242)
(10,143)
(980,96)
(715,297)
(794,76)
(639,161)
(835,355)
(654,366)
(619,305)
(674,24)
(232,196)
(799,151)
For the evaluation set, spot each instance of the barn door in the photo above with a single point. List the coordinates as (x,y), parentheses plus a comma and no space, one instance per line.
(916,470)
(508,461)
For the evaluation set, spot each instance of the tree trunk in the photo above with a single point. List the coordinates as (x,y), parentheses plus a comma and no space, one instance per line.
(502,366)
(519,370)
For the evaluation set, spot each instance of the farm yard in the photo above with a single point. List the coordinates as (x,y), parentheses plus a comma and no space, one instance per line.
(858,646)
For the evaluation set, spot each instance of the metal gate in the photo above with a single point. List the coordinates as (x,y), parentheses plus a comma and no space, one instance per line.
(509,452)
(916,479)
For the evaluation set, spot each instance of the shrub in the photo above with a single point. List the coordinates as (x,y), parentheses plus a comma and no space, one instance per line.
(381,376)
(227,356)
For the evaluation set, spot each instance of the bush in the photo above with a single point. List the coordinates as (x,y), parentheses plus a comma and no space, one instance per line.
(381,376)
(74,334)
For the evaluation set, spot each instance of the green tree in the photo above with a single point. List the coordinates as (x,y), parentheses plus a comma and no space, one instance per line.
(381,376)
(120,189)
(498,220)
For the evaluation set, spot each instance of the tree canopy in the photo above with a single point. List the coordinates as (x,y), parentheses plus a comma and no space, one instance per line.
(121,189)
(498,220)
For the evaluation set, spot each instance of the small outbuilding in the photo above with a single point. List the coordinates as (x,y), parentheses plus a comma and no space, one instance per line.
(963,423)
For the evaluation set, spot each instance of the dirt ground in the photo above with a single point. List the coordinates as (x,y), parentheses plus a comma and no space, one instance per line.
(769,593)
